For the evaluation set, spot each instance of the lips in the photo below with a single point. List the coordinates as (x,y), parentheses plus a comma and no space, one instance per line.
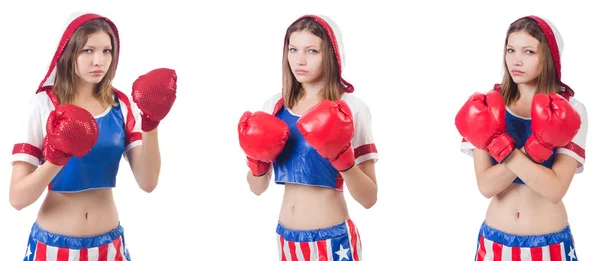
(298,71)
(97,72)
(517,72)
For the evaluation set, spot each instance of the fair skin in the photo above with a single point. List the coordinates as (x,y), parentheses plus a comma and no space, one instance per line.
(94,211)
(535,208)
(307,207)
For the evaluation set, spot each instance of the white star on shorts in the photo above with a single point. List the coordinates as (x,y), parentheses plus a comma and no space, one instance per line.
(343,253)
(28,253)
(572,254)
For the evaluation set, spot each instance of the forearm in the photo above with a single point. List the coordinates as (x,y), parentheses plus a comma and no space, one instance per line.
(494,180)
(26,190)
(361,187)
(149,167)
(258,185)
(542,180)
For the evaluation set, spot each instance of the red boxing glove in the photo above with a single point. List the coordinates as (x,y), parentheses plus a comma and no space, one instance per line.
(262,137)
(71,131)
(154,93)
(554,123)
(482,122)
(328,127)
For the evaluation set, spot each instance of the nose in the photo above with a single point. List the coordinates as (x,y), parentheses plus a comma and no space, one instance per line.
(301,58)
(99,58)
(517,60)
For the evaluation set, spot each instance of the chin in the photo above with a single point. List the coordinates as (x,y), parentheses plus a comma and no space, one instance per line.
(94,80)
(304,79)
(520,80)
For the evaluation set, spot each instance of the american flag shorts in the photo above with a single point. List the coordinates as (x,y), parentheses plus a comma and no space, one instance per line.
(495,245)
(337,243)
(47,246)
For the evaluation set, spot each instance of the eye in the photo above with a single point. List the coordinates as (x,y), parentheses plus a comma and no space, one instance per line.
(313,51)
(86,51)
(107,50)
(292,49)
(529,52)
(509,50)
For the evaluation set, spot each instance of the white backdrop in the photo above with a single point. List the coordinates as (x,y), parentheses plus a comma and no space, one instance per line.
(414,65)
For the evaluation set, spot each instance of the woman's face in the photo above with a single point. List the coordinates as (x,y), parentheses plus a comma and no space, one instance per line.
(305,56)
(95,58)
(522,57)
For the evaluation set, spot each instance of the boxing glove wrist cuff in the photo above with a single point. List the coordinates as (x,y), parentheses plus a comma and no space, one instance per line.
(344,161)
(348,168)
(501,147)
(57,158)
(536,150)
(148,124)
(258,168)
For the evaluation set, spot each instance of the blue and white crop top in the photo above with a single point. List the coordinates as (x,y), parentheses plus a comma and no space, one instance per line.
(118,131)
(299,163)
(519,129)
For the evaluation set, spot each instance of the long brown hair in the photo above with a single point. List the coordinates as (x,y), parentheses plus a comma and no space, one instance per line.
(66,78)
(292,89)
(548,81)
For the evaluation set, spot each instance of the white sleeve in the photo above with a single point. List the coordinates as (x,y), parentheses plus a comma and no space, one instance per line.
(466,147)
(363,142)
(28,144)
(576,148)
(269,105)
(133,124)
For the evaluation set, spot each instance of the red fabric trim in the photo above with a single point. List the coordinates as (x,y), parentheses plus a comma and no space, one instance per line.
(572,146)
(278,106)
(130,136)
(364,150)
(29,149)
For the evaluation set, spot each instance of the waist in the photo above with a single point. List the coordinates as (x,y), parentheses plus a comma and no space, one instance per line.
(85,213)
(494,235)
(340,229)
(307,207)
(521,211)
(101,244)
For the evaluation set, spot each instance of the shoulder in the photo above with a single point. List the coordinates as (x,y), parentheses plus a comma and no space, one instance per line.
(121,96)
(41,101)
(356,104)
(274,98)
(578,106)
(269,105)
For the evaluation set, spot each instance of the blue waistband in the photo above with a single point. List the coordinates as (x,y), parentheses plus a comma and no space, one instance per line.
(72,242)
(511,240)
(312,235)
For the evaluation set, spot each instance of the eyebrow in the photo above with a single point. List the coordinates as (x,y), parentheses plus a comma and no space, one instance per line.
(310,46)
(526,46)
(94,47)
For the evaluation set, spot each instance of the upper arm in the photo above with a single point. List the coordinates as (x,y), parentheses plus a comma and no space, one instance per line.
(29,140)
(363,142)
(132,156)
(368,167)
(21,169)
